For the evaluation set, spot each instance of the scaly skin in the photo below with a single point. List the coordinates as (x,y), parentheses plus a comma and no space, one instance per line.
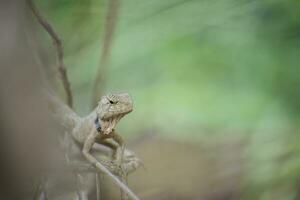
(111,108)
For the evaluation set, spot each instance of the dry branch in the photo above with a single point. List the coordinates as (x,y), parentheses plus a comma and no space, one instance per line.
(59,48)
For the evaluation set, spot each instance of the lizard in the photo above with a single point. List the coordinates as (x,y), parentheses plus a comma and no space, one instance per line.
(99,127)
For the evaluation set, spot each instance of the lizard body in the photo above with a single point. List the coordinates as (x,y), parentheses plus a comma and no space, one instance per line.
(110,110)
(97,127)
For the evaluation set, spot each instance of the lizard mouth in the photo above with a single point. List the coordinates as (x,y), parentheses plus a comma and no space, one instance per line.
(109,124)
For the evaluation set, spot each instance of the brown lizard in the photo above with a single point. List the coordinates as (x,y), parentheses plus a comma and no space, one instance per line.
(99,127)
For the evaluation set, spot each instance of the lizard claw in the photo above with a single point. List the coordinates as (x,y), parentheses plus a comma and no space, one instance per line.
(114,167)
(125,166)
(131,162)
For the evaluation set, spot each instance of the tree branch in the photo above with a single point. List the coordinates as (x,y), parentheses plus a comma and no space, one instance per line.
(109,28)
(59,48)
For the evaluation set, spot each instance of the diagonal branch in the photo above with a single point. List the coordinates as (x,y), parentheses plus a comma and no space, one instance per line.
(109,29)
(58,45)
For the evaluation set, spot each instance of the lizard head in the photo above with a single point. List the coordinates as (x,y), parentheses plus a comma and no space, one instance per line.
(114,106)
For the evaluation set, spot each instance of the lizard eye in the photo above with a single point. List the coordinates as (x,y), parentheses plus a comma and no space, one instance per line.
(112,102)
(112,99)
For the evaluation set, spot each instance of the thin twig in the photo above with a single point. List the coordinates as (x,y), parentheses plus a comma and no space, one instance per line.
(98,187)
(109,28)
(124,196)
(41,191)
(58,45)
(66,144)
(38,190)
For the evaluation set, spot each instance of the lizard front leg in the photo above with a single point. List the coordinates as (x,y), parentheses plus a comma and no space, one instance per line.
(117,145)
(88,144)
(119,152)
(129,160)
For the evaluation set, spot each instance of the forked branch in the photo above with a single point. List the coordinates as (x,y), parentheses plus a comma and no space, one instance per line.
(59,48)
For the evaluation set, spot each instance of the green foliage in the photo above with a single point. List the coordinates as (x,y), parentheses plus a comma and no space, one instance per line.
(191,64)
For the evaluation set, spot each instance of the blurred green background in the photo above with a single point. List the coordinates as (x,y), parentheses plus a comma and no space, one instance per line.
(199,71)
